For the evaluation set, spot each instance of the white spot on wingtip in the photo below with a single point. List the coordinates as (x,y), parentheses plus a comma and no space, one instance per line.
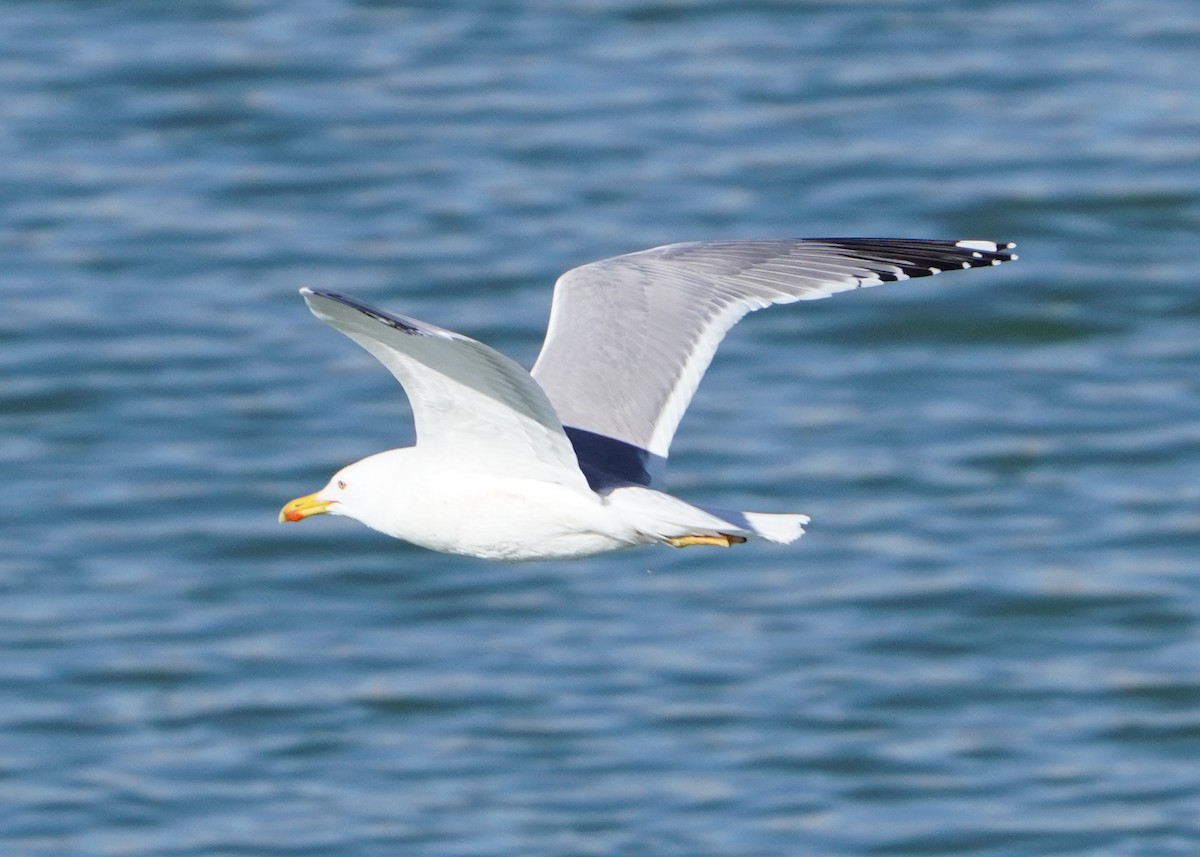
(973,244)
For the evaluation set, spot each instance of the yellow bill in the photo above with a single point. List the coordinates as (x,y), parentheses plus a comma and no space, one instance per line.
(302,507)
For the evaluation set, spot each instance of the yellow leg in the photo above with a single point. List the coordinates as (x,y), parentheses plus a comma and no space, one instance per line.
(721,540)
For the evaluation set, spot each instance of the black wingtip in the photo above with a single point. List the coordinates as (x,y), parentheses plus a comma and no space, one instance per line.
(901,258)
(400,323)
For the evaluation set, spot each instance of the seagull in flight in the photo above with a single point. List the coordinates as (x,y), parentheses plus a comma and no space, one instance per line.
(568,460)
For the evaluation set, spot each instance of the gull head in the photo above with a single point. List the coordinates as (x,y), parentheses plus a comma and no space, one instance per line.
(363,491)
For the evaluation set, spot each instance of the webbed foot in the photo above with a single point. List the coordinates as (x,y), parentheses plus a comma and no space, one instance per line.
(720,540)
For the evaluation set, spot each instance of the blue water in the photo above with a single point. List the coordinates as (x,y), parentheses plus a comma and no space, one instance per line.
(987,644)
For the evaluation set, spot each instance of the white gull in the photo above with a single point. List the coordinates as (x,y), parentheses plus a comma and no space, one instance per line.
(568,460)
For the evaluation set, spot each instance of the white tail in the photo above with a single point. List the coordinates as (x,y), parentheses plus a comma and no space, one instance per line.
(777,528)
(663,516)
(782,529)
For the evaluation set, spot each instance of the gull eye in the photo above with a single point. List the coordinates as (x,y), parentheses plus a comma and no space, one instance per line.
(341,485)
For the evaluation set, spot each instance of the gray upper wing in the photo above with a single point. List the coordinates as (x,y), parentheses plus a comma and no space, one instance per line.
(472,405)
(630,337)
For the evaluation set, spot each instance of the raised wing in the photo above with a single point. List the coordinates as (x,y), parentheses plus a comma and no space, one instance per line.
(630,337)
(471,404)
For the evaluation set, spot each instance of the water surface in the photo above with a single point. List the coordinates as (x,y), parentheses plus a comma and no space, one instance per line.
(987,643)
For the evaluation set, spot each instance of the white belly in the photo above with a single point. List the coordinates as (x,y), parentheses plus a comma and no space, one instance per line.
(504,518)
